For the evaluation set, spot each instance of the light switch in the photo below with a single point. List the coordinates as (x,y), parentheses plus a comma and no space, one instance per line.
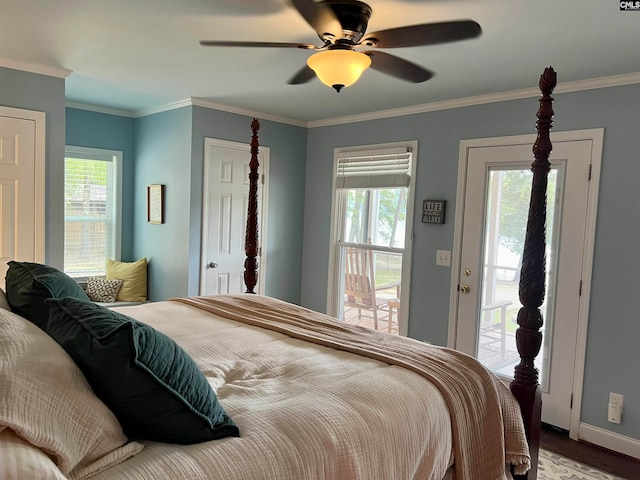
(443,258)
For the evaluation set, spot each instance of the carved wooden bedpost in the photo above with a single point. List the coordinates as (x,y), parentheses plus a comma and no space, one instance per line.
(525,385)
(251,235)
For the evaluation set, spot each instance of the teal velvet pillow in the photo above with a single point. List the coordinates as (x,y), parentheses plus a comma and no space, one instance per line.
(151,384)
(28,285)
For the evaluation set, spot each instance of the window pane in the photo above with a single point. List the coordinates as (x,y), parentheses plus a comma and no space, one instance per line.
(89,222)
(376,216)
(505,227)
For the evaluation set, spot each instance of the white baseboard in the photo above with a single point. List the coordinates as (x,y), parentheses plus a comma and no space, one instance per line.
(610,440)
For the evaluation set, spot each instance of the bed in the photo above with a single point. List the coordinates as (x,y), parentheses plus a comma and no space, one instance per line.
(250,387)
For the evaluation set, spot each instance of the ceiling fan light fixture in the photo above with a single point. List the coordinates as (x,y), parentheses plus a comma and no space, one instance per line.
(338,68)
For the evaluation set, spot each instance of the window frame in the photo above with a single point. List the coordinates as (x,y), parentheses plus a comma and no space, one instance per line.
(115,158)
(337,215)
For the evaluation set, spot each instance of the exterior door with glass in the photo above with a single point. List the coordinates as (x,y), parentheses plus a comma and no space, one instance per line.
(493,225)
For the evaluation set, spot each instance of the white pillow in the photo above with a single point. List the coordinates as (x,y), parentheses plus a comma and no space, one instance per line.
(48,402)
(102,290)
(3,300)
(21,460)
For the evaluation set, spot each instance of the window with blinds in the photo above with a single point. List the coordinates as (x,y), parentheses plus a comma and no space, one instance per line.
(372,191)
(91,220)
(389,168)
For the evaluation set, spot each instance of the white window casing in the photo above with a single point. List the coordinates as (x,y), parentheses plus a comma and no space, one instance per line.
(92,210)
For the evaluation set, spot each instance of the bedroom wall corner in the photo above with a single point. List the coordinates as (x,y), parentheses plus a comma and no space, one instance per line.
(163,156)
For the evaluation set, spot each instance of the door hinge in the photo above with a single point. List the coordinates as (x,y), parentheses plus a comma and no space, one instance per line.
(262,178)
(571,403)
(580,289)
(590,167)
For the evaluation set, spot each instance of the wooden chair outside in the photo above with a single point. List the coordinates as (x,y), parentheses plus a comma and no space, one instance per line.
(360,288)
(492,332)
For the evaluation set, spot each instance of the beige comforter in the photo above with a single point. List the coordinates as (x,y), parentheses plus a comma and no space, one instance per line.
(351,406)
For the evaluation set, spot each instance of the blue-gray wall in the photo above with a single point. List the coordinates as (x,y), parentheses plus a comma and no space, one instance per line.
(612,363)
(286,178)
(112,132)
(43,93)
(170,151)
(163,155)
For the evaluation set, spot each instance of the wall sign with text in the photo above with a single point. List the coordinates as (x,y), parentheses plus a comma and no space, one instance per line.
(433,211)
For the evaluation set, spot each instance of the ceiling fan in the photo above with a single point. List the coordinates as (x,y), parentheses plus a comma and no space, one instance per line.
(341,26)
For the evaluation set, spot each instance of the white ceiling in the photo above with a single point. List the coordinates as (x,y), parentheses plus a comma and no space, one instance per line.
(140,55)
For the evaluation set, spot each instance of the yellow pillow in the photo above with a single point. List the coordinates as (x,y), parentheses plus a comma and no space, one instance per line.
(134,279)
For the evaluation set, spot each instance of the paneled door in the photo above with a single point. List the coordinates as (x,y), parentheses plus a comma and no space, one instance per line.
(21,186)
(493,224)
(224,210)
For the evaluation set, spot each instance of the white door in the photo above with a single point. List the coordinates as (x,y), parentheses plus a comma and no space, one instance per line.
(21,186)
(495,207)
(225,203)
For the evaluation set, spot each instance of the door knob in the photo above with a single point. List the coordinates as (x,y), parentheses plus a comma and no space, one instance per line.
(465,289)
(212,265)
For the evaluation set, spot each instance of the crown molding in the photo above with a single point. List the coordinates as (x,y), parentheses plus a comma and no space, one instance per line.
(201,102)
(162,108)
(129,113)
(99,109)
(601,82)
(567,87)
(48,70)
(193,101)
(428,107)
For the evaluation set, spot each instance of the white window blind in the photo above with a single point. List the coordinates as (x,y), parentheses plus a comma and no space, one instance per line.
(90,201)
(387,168)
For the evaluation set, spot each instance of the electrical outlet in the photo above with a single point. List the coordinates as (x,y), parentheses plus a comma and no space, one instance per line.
(616,402)
(616,399)
(615,413)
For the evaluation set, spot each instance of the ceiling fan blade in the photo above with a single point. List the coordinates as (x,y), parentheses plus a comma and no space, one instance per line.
(321,18)
(397,67)
(425,34)
(304,75)
(226,43)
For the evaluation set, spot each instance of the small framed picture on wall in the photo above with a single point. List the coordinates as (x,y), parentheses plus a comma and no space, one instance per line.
(155,203)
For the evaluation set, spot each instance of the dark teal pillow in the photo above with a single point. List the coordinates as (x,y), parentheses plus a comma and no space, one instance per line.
(28,285)
(151,384)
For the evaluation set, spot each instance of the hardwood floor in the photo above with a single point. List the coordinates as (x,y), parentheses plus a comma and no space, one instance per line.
(558,441)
